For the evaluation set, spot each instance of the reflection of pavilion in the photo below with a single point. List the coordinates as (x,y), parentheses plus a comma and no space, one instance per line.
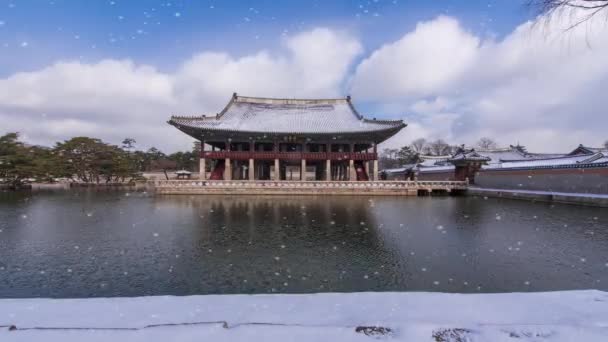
(331,243)
(286,139)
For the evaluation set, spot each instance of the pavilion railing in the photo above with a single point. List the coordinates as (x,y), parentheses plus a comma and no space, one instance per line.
(270,155)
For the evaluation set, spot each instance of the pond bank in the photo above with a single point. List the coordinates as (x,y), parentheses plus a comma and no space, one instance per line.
(595,200)
(550,316)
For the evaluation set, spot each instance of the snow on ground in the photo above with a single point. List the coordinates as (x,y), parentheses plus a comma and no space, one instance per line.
(514,317)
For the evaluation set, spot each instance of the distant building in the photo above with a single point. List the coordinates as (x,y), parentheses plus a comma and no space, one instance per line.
(584,169)
(285,139)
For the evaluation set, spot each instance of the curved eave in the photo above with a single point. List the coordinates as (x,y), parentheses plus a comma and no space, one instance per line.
(379,135)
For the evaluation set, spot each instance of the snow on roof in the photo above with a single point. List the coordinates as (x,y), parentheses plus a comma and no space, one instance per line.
(566,160)
(582,149)
(254,114)
(600,160)
(402,169)
(433,160)
(470,155)
(436,168)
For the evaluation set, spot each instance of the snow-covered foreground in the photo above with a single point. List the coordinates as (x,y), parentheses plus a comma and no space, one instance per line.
(551,316)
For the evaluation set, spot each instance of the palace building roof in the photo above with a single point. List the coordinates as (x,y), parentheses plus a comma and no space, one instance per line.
(254,115)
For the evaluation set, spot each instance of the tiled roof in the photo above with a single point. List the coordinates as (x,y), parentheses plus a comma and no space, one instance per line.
(561,161)
(582,149)
(297,116)
(470,155)
(436,168)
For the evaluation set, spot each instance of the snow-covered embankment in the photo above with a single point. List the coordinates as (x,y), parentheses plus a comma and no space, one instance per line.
(552,316)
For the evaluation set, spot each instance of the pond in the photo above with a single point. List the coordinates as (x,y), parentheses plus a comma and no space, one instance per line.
(109,243)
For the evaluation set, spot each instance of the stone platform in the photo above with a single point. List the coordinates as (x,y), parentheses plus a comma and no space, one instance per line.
(245,187)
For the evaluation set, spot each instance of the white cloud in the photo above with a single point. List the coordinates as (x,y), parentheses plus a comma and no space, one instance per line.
(427,60)
(315,65)
(541,85)
(115,99)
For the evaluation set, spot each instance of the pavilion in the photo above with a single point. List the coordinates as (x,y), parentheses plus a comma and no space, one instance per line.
(256,138)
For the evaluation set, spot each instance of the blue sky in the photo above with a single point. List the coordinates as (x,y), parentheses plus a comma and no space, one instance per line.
(35,33)
(455,70)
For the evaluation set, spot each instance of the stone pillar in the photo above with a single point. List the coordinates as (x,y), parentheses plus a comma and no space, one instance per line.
(228,166)
(303,170)
(366,165)
(328,170)
(375,170)
(251,169)
(227,170)
(352,173)
(201,171)
(277,172)
(202,175)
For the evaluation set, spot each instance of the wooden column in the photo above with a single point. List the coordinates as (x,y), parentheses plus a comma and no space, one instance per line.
(228,166)
(366,165)
(251,169)
(202,175)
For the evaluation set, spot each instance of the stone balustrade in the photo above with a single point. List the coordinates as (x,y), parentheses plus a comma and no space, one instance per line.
(305,187)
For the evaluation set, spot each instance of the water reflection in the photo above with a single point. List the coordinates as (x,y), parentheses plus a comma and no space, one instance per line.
(83,243)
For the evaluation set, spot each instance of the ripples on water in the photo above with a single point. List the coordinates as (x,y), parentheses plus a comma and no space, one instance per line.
(85,243)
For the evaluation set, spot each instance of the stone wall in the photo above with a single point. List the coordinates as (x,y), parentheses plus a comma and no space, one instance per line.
(573,180)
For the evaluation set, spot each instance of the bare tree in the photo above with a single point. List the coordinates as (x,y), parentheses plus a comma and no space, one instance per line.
(418,145)
(553,5)
(439,147)
(591,7)
(486,143)
(388,158)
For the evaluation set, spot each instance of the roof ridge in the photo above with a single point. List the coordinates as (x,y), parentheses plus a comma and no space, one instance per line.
(276,100)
